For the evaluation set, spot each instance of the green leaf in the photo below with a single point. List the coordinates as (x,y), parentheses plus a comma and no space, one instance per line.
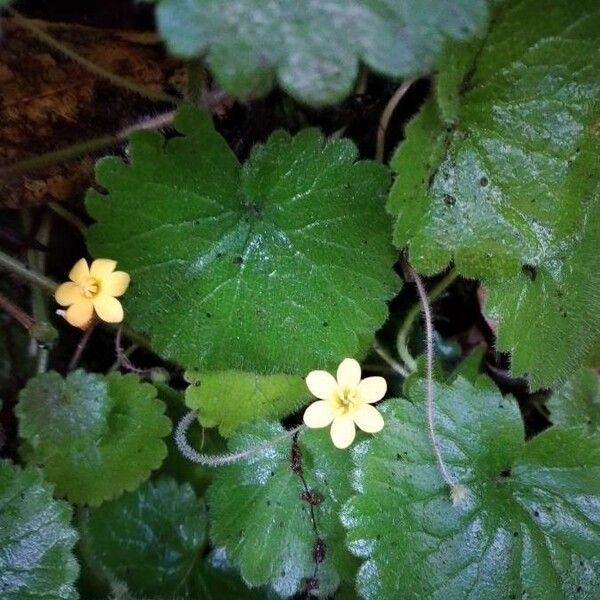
(577,401)
(502,179)
(313,49)
(150,539)
(230,398)
(259,515)
(216,579)
(94,436)
(529,524)
(283,265)
(36,539)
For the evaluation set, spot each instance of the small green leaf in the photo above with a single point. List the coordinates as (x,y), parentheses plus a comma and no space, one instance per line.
(529,524)
(282,265)
(502,179)
(258,512)
(313,49)
(230,398)
(36,539)
(150,539)
(95,436)
(577,401)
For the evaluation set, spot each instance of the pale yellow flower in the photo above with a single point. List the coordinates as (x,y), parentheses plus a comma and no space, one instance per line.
(345,402)
(93,289)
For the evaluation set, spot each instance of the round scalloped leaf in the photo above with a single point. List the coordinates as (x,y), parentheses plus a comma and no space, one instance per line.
(313,48)
(150,539)
(230,398)
(282,265)
(502,179)
(36,539)
(258,513)
(577,401)
(527,526)
(94,436)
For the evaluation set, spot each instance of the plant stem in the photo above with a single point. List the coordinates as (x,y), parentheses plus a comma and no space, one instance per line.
(402,338)
(389,359)
(85,338)
(16,312)
(36,163)
(18,268)
(68,216)
(113,78)
(386,115)
(196,82)
(458,492)
(219,460)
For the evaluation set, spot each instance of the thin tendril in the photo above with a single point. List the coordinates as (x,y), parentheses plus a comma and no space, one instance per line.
(219,460)
(457,491)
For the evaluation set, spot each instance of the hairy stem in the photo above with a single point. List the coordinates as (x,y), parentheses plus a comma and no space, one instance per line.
(389,359)
(68,216)
(448,478)
(113,78)
(83,342)
(219,460)
(386,115)
(411,315)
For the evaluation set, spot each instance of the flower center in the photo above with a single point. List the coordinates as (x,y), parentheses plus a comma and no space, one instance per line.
(90,287)
(346,400)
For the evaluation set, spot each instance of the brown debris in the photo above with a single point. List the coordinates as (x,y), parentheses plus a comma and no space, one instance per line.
(49,102)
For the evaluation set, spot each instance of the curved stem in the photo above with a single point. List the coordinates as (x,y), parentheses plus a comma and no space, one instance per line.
(16,312)
(389,359)
(458,492)
(85,338)
(88,64)
(219,460)
(386,115)
(404,332)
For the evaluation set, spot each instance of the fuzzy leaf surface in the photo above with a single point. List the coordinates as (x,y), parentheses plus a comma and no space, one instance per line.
(258,514)
(313,49)
(577,401)
(95,436)
(500,176)
(530,522)
(36,540)
(150,539)
(230,398)
(282,265)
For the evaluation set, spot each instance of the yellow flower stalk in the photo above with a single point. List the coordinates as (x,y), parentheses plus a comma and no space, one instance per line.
(345,402)
(93,289)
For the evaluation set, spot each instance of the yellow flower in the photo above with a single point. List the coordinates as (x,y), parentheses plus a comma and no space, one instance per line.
(92,289)
(345,402)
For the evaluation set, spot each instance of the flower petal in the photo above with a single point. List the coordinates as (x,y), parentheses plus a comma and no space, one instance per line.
(342,431)
(372,389)
(80,313)
(102,267)
(109,309)
(80,271)
(319,414)
(68,293)
(321,384)
(368,418)
(115,284)
(348,374)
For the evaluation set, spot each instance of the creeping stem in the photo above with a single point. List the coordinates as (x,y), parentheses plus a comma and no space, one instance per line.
(219,460)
